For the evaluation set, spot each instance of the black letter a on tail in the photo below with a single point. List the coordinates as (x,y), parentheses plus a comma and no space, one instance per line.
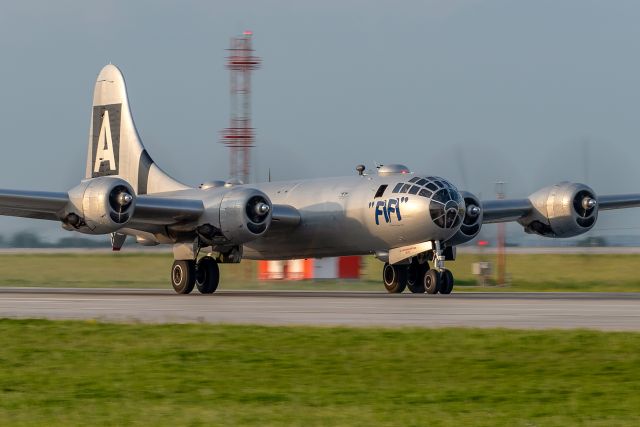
(106,140)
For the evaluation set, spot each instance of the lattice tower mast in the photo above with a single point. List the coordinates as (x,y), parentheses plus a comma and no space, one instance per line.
(240,136)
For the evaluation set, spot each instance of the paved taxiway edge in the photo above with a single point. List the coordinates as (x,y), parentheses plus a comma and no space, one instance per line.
(608,311)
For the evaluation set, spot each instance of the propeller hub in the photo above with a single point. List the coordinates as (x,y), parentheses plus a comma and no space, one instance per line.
(589,203)
(473,211)
(262,208)
(124,198)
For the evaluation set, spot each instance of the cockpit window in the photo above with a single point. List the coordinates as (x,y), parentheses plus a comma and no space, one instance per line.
(446,208)
(439,189)
(441,196)
(425,193)
(380,191)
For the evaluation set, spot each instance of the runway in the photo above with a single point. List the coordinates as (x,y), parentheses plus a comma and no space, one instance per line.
(602,311)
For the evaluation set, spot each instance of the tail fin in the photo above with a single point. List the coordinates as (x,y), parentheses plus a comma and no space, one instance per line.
(114,144)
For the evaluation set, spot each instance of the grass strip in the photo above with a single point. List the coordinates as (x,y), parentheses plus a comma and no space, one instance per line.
(88,373)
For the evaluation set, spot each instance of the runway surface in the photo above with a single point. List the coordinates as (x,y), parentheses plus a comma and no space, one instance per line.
(603,311)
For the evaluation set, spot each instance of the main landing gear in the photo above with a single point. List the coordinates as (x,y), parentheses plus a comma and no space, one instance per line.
(418,277)
(186,274)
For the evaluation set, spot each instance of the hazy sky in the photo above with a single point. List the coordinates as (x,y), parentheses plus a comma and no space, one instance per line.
(476,91)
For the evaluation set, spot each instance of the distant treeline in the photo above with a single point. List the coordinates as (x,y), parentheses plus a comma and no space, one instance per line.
(29,239)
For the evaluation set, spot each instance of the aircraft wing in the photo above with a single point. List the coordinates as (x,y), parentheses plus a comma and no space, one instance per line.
(166,211)
(51,206)
(149,210)
(33,204)
(619,201)
(507,210)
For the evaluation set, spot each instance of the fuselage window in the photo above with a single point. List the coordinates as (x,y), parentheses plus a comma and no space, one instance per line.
(414,190)
(397,188)
(380,191)
(422,182)
(431,186)
(414,179)
(404,188)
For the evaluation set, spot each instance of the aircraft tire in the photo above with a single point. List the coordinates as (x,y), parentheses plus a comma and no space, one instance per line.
(183,276)
(432,281)
(207,275)
(394,278)
(446,282)
(415,277)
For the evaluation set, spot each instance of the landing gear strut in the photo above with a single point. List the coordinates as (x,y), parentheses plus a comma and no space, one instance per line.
(438,279)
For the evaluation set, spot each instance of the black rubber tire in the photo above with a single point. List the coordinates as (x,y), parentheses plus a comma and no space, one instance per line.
(415,277)
(183,276)
(394,278)
(207,275)
(446,282)
(432,281)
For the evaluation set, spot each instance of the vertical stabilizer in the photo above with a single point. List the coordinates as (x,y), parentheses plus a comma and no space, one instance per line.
(114,144)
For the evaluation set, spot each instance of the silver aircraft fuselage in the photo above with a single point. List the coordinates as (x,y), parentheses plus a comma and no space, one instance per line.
(338,216)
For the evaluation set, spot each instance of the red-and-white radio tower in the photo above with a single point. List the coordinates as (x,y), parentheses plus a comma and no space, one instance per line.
(240,136)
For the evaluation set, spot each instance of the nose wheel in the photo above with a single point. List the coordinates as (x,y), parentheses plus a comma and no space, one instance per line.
(446,282)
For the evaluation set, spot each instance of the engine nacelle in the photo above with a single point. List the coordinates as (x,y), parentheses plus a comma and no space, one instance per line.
(471,222)
(100,205)
(562,210)
(245,215)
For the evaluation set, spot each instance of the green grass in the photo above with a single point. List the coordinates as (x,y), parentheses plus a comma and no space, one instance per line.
(614,273)
(87,373)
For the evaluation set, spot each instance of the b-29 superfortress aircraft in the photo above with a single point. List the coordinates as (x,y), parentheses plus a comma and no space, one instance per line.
(410,222)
